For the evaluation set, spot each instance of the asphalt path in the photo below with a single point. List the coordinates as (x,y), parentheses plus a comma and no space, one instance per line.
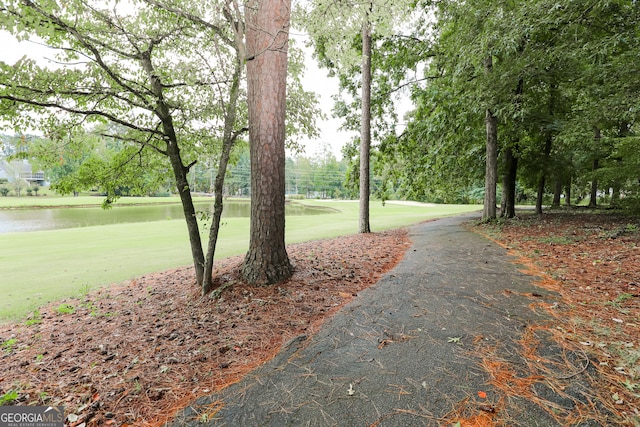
(405,352)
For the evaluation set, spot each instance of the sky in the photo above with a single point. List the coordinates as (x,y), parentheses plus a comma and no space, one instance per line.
(317,80)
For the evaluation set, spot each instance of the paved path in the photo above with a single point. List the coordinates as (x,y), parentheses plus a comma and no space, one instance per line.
(404,352)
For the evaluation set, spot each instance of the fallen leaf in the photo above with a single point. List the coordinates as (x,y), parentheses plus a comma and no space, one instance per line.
(482,395)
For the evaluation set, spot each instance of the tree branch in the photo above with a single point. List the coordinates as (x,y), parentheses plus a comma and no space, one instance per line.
(193,18)
(82,112)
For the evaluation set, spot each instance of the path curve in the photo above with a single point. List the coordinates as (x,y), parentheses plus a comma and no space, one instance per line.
(404,352)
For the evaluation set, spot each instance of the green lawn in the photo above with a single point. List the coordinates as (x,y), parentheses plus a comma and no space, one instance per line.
(44,266)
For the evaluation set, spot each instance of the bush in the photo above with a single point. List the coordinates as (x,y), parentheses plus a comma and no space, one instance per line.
(4,191)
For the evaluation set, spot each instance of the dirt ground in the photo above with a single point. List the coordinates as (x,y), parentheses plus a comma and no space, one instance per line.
(136,352)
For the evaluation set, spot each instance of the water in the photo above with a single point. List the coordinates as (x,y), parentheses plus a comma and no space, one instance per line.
(25,220)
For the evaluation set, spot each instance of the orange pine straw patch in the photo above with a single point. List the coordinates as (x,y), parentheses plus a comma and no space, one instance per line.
(482,419)
(473,414)
(505,379)
(592,262)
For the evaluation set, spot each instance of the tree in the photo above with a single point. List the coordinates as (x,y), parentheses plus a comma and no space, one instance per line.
(119,67)
(267,37)
(491,161)
(337,30)
(365,128)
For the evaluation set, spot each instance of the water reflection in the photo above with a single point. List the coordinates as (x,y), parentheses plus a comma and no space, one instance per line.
(25,220)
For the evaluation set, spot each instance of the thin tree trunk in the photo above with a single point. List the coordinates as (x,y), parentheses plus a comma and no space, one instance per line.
(557,192)
(228,140)
(509,183)
(547,150)
(543,174)
(491,165)
(567,193)
(365,129)
(593,194)
(511,160)
(267,38)
(180,171)
(182,184)
(540,193)
(615,195)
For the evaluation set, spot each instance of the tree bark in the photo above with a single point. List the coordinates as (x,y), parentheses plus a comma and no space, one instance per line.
(543,175)
(182,184)
(557,192)
(509,183)
(593,194)
(365,129)
(180,171)
(547,149)
(508,204)
(228,140)
(567,193)
(267,38)
(491,167)
(491,164)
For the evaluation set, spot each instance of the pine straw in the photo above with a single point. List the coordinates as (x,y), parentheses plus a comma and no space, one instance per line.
(593,262)
(137,352)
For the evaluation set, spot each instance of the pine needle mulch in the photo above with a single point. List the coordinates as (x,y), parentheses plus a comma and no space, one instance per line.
(585,363)
(136,352)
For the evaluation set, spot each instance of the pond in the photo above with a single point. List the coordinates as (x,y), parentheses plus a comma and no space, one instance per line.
(24,220)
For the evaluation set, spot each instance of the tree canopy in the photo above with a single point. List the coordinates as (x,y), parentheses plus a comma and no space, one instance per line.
(559,72)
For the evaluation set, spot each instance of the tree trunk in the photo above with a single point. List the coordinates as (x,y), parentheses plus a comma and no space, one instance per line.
(365,129)
(540,193)
(547,149)
(593,195)
(509,184)
(228,139)
(615,195)
(182,184)
(267,38)
(557,192)
(567,193)
(180,171)
(491,167)
(491,164)
(543,174)
(508,205)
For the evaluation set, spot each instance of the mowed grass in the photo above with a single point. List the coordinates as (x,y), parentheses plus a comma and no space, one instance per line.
(44,266)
